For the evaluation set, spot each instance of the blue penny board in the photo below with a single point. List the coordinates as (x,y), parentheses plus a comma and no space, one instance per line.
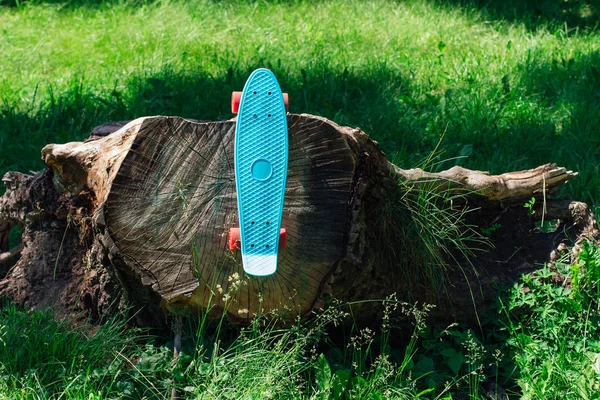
(261,161)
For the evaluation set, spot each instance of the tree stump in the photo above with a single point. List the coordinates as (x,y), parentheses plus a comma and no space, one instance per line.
(140,216)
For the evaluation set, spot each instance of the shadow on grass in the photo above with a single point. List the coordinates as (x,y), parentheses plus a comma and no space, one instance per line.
(556,14)
(489,124)
(364,99)
(571,86)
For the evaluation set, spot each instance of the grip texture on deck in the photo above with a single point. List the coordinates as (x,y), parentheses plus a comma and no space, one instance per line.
(261,158)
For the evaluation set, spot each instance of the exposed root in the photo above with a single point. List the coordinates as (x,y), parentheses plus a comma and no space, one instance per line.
(7,255)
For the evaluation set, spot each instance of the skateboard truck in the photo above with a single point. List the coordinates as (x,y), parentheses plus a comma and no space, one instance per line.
(236,244)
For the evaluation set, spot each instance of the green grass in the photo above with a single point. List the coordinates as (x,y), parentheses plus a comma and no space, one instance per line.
(506,96)
(40,356)
(541,342)
(554,332)
(509,85)
(43,358)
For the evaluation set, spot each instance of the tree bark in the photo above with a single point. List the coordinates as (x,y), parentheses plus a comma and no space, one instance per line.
(141,215)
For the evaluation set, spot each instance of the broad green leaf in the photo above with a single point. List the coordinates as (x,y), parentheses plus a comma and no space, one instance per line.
(359,381)
(455,362)
(449,352)
(339,383)
(323,374)
(425,364)
(596,363)
(426,391)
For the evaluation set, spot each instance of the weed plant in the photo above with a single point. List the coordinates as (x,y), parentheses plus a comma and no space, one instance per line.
(555,330)
(434,232)
(41,356)
(260,361)
(541,342)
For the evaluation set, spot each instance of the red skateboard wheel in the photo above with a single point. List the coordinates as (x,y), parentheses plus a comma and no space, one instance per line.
(236,244)
(282,238)
(286,101)
(236,97)
(234,239)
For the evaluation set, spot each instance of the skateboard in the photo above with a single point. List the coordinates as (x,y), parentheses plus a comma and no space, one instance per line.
(261,161)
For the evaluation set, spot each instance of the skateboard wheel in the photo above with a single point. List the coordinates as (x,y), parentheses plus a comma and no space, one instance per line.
(234,239)
(282,238)
(235,243)
(236,97)
(286,101)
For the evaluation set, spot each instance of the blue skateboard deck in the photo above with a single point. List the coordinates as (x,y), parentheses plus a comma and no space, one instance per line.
(261,161)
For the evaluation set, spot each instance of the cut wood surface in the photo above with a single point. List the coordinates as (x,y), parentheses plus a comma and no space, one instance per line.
(180,177)
(154,201)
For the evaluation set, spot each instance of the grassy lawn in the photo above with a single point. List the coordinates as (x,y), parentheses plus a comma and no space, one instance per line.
(504,94)
(507,89)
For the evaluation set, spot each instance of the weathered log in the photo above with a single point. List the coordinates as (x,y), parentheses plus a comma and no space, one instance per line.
(151,205)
